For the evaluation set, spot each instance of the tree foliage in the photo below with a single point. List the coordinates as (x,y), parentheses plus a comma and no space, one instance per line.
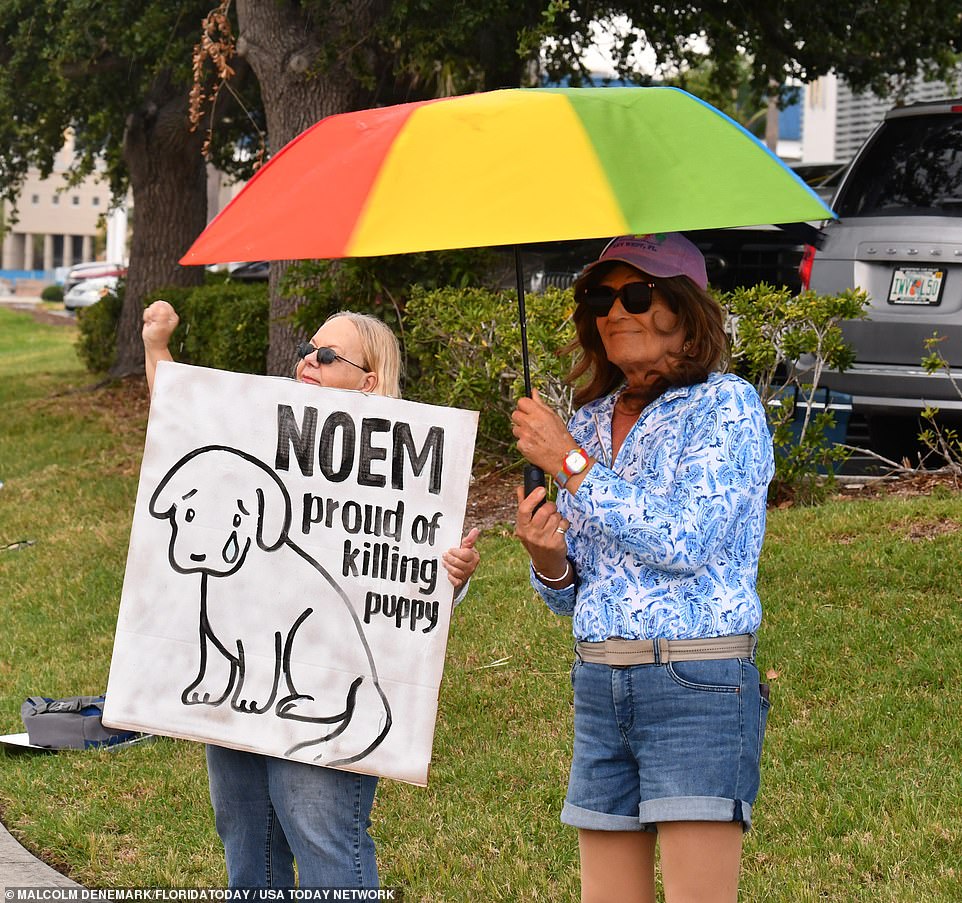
(91,67)
(872,45)
(314,58)
(117,74)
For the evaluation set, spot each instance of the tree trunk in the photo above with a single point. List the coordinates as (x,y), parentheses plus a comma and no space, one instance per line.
(771,120)
(169,184)
(307,69)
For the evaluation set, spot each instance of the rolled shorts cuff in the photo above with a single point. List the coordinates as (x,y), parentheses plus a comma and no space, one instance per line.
(695,808)
(598,821)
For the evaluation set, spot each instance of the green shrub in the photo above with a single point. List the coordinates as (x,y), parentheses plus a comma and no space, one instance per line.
(466,345)
(97,333)
(222,325)
(783,343)
(52,293)
(463,346)
(379,286)
(941,442)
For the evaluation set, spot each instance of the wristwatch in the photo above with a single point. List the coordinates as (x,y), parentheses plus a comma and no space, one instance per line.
(575,462)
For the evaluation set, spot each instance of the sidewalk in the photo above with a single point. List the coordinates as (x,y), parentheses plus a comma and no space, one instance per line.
(19,868)
(31,303)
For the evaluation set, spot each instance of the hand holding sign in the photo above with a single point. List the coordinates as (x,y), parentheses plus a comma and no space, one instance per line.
(462,561)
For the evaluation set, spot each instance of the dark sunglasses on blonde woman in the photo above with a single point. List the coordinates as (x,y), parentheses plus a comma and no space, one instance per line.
(324,355)
(635,298)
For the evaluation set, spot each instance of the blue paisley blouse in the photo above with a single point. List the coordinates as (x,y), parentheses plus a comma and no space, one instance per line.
(665,540)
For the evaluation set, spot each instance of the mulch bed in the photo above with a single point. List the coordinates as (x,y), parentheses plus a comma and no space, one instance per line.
(42,315)
(492,500)
(901,485)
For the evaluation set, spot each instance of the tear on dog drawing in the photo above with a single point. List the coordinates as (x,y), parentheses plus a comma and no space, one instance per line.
(228,514)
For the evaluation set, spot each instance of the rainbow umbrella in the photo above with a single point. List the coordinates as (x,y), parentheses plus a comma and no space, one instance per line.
(505,167)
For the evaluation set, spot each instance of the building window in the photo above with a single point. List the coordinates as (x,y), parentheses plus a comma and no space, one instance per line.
(35,199)
(75,200)
(95,201)
(56,199)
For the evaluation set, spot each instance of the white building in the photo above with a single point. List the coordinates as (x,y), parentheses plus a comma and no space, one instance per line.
(836,121)
(57,225)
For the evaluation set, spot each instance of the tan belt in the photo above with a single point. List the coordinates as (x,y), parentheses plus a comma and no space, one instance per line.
(618,652)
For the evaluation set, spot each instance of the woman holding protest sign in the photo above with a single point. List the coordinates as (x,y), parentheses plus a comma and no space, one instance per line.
(271,812)
(652,548)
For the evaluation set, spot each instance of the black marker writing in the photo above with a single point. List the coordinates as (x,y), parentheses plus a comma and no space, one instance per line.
(382,560)
(342,449)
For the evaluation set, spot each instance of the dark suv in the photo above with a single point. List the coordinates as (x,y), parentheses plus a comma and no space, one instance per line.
(899,237)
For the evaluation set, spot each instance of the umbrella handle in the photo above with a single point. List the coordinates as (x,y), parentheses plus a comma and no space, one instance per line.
(533,478)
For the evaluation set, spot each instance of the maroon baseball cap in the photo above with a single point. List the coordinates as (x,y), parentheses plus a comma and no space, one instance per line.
(659,254)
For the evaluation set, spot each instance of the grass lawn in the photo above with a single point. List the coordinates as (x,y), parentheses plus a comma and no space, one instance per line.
(862,770)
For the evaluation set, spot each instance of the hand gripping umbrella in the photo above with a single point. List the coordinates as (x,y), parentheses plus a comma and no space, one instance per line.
(505,167)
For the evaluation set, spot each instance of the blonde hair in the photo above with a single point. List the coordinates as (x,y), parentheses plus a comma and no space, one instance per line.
(382,351)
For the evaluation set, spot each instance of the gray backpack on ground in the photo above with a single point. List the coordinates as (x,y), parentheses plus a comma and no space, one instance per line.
(70,723)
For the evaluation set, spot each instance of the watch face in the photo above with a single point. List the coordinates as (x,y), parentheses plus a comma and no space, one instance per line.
(576,462)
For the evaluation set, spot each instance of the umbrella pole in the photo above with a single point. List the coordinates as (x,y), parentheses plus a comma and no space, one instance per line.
(533,476)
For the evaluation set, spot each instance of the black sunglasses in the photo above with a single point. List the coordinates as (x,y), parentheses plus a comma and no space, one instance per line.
(324,355)
(635,298)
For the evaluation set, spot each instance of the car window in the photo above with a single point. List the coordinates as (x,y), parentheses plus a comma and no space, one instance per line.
(912,165)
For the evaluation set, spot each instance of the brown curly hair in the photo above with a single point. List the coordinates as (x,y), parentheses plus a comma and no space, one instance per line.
(699,317)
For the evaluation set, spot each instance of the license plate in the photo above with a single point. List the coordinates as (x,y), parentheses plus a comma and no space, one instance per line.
(916,285)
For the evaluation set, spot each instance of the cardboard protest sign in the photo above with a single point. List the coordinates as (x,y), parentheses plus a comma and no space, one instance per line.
(284,592)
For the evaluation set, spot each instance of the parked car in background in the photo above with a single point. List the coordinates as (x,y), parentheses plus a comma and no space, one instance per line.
(899,237)
(92,270)
(822,178)
(741,256)
(749,255)
(89,292)
(255,271)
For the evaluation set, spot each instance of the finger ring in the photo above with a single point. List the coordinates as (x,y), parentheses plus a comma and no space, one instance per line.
(559,530)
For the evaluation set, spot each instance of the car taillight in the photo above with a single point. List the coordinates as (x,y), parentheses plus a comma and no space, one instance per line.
(805,267)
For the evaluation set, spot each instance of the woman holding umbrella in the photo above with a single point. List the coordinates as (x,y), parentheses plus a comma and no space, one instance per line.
(652,548)
(271,811)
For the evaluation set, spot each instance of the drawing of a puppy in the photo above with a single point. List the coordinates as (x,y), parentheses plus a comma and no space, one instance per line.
(263,602)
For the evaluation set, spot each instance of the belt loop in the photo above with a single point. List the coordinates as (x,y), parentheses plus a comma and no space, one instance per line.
(662,653)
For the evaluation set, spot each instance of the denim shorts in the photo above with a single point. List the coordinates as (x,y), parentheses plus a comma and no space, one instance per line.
(665,742)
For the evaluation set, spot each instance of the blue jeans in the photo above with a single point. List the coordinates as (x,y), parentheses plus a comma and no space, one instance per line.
(270,812)
(656,743)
